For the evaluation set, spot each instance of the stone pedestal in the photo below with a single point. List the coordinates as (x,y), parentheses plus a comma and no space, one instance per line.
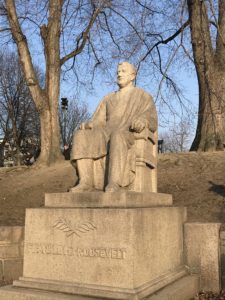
(11,253)
(202,253)
(107,245)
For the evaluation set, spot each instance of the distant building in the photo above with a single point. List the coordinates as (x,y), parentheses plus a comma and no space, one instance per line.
(27,152)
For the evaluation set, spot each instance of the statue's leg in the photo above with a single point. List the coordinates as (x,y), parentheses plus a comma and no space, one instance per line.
(120,143)
(85,174)
(99,173)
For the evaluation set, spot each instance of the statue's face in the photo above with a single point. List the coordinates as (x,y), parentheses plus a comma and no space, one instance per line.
(125,75)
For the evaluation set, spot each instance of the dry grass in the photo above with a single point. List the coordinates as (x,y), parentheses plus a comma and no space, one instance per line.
(195,180)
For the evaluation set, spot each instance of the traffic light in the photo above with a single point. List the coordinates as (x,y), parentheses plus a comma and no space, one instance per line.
(64,103)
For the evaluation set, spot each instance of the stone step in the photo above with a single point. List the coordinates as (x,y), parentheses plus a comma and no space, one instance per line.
(15,293)
(182,289)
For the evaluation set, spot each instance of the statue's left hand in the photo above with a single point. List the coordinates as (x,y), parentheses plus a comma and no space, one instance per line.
(87,125)
(138,125)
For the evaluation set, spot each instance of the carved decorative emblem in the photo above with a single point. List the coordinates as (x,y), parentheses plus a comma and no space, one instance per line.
(65,226)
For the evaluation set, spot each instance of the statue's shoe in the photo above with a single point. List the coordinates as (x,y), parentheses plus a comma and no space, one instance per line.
(112,187)
(82,187)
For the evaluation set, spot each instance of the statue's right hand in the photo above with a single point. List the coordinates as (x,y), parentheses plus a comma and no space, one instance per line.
(82,126)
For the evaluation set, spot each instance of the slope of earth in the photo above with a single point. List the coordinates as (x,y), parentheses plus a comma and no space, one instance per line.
(195,180)
(23,187)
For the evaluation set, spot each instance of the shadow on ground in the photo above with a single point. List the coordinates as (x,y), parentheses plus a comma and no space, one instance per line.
(217,188)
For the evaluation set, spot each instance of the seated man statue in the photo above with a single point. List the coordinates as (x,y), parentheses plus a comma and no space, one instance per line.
(103,149)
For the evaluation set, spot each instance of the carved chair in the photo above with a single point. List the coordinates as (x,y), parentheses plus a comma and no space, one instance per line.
(146,164)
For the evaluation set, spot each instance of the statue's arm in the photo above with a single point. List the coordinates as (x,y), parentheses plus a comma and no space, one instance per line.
(148,118)
(98,119)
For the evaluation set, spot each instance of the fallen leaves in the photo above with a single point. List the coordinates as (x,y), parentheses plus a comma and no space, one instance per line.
(204,295)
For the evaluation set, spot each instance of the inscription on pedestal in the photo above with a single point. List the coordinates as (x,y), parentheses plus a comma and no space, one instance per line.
(113,253)
(92,252)
(24,297)
(21,297)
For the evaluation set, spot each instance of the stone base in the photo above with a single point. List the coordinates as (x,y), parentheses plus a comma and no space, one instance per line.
(11,253)
(182,289)
(104,200)
(202,253)
(11,269)
(99,290)
(12,293)
(107,245)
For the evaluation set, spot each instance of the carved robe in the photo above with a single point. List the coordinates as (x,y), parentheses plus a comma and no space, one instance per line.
(111,133)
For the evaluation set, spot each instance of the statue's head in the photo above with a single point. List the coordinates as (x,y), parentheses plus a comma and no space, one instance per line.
(126,74)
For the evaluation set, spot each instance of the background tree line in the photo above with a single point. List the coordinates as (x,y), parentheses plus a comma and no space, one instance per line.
(86,39)
(19,118)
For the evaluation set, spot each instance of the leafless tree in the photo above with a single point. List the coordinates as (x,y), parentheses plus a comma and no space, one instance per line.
(207,20)
(19,120)
(50,19)
(177,138)
(70,119)
(154,36)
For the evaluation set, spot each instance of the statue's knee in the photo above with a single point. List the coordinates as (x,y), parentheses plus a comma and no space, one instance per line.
(117,135)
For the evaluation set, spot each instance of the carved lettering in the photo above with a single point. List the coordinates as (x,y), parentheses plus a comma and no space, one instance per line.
(53,249)
(113,253)
(24,297)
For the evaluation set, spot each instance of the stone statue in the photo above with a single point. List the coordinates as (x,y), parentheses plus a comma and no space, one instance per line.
(103,148)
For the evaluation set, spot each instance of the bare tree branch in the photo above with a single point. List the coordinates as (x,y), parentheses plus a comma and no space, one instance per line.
(109,30)
(81,41)
(166,41)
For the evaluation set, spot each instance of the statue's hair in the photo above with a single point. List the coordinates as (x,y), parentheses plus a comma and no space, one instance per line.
(130,65)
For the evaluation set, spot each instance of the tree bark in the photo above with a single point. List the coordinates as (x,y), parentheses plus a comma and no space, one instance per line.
(2,146)
(209,64)
(46,100)
(50,141)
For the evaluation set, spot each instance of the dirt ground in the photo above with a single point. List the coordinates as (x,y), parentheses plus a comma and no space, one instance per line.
(195,180)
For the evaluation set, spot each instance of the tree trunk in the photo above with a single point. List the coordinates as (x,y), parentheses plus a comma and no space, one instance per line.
(46,100)
(49,118)
(2,145)
(49,138)
(210,133)
(16,142)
